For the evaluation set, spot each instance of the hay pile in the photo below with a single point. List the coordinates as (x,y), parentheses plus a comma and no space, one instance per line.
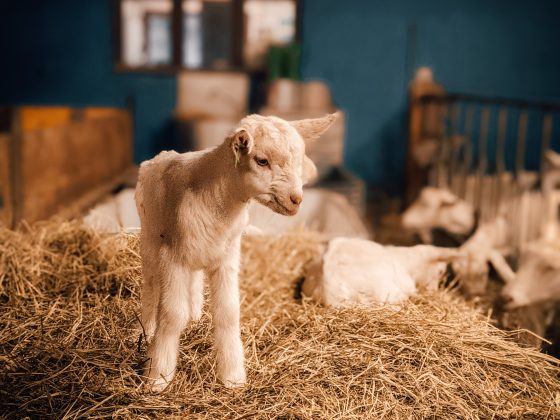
(69,299)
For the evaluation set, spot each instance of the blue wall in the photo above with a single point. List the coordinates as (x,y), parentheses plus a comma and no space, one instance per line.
(367,51)
(61,52)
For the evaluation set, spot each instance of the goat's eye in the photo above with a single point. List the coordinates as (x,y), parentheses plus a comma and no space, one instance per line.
(262,162)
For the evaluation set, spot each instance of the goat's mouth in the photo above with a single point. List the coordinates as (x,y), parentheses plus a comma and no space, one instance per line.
(284,210)
(274,204)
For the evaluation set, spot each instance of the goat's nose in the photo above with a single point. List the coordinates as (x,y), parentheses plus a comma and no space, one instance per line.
(296,199)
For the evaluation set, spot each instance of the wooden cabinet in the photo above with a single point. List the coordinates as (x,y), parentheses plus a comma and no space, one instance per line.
(55,159)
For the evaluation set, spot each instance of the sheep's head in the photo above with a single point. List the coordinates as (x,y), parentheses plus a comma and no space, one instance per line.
(269,153)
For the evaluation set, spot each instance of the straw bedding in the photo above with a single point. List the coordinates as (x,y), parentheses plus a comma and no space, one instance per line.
(69,347)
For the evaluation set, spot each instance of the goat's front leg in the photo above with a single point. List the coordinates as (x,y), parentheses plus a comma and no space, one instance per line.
(173,314)
(501,266)
(224,293)
(196,295)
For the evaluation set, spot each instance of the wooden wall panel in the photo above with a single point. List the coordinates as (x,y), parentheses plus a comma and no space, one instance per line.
(36,117)
(60,164)
(5,190)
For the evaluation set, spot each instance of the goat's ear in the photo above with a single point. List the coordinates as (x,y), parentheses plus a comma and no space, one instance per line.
(552,158)
(447,198)
(309,171)
(311,129)
(241,142)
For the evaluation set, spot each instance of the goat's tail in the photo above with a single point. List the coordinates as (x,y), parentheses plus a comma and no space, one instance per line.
(139,194)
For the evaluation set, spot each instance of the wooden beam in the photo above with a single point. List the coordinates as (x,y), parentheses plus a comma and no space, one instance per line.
(117,34)
(238,33)
(177,32)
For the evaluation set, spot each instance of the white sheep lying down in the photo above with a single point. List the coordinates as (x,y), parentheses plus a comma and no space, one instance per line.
(193,209)
(357,271)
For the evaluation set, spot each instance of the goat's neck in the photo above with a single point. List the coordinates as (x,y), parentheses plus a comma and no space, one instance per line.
(225,189)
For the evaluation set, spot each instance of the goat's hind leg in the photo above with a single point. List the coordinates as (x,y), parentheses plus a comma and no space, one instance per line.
(173,314)
(150,297)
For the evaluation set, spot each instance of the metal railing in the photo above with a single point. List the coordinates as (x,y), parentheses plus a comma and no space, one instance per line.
(491,152)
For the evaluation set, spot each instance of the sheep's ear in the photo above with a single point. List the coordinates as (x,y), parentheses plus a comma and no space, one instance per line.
(312,129)
(241,142)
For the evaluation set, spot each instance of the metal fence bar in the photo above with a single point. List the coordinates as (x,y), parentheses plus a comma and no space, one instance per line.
(482,162)
(520,178)
(443,153)
(466,167)
(500,181)
(521,142)
(546,137)
(493,100)
(456,145)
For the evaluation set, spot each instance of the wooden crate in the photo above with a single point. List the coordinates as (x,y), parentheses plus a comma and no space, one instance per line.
(203,94)
(60,159)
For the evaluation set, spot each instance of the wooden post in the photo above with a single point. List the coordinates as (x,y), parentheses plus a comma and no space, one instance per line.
(424,123)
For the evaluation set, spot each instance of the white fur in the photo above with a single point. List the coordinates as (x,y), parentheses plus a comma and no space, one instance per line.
(538,277)
(193,210)
(489,244)
(357,271)
(116,214)
(438,208)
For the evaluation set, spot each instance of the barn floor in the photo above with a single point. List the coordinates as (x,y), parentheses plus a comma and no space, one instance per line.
(69,347)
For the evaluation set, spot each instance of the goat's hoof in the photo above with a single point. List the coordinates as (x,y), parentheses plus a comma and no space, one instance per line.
(234,380)
(156,386)
(234,385)
(155,382)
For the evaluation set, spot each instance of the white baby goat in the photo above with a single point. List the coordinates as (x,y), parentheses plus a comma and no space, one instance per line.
(354,271)
(438,208)
(193,209)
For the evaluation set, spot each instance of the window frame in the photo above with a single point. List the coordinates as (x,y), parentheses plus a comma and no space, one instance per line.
(176,66)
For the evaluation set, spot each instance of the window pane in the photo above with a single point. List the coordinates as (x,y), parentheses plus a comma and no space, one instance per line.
(207,31)
(268,22)
(146,32)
